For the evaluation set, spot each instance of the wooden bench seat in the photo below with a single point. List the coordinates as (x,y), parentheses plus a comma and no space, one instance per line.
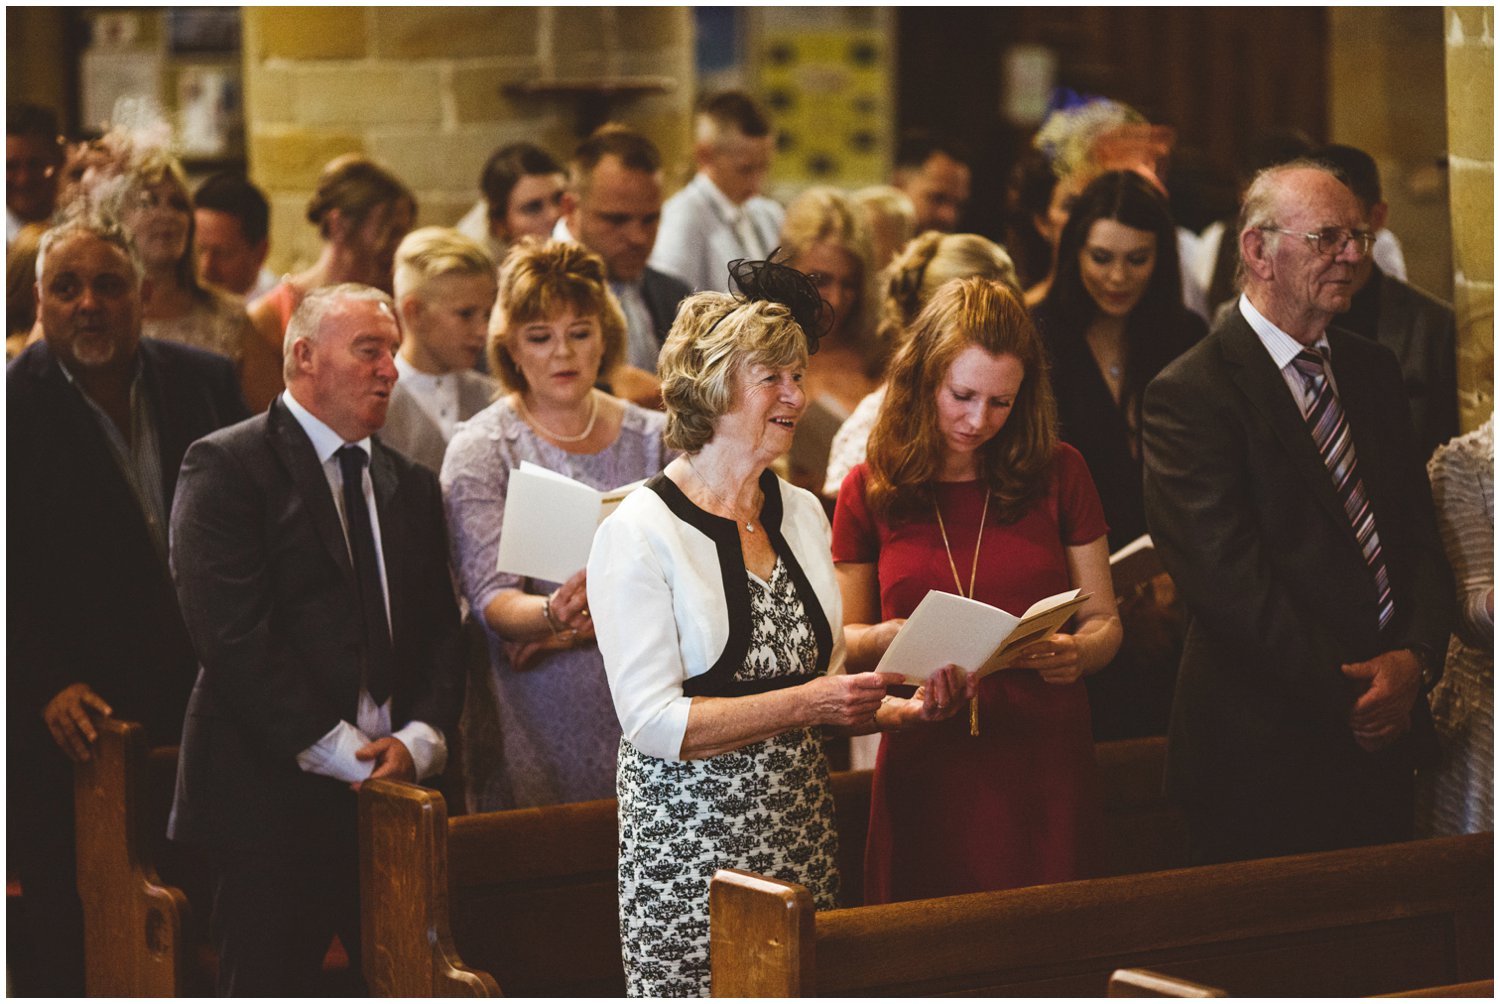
(524,902)
(1343,923)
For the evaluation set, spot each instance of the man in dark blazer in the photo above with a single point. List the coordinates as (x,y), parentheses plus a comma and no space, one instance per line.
(1298,715)
(613,208)
(311,564)
(97,421)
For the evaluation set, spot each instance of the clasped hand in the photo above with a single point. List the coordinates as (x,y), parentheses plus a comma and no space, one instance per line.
(853,700)
(1382,714)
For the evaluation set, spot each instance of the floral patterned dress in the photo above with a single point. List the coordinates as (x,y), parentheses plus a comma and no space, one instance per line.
(764,808)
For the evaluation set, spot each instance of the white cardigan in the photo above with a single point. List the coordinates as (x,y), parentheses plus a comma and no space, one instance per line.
(667,608)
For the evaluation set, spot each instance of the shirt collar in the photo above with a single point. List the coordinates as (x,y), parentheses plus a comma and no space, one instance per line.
(325,441)
(412,375)
(721,202)
(1283,348)
(560,231)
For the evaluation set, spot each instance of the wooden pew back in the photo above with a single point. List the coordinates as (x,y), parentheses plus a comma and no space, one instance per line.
(135,926)
(525,902)
(1344,923)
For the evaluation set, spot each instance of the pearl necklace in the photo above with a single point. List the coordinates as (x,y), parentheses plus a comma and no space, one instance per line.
(749,524)
(587,429)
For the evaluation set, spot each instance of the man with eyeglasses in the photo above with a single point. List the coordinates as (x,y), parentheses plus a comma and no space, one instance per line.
(1286,493)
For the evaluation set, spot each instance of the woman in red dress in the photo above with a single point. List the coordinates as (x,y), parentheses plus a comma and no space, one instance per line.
(968,490)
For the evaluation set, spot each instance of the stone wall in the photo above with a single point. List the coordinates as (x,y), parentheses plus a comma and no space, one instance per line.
(1386,84)
(1470,38)
(420,89)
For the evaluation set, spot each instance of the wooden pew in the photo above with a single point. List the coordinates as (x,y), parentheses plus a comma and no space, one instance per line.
(136,927)
(525,902)
(1342,923)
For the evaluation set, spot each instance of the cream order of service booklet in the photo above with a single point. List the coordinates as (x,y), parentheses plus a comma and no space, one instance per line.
(549,522)
(947,628)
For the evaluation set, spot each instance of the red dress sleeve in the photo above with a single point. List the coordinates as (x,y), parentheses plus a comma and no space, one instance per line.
(1080,513)
(856,539)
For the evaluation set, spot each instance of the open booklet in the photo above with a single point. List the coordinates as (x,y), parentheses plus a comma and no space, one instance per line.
(1133,564)
(947,628)
(549,522)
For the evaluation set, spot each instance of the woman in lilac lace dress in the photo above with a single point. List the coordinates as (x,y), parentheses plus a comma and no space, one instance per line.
(540,728)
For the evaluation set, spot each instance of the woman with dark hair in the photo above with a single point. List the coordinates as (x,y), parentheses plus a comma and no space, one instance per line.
(523,186)
(967,490)
(1112,319)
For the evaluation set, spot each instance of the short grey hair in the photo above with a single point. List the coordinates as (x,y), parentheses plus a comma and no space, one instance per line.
(307,320)
(85,219)
(1259,209)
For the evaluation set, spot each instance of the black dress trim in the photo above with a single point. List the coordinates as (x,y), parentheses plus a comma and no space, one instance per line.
(719,681)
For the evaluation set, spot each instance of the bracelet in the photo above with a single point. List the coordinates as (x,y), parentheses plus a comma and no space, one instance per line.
(552,621)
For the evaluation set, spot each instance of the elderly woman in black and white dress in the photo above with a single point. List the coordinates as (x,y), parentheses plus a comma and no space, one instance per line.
(716,608)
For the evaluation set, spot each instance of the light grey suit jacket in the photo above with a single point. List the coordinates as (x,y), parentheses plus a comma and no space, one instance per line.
(411,431)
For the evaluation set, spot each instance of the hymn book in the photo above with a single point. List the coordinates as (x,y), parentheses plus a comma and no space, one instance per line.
(549,522)
(976,637)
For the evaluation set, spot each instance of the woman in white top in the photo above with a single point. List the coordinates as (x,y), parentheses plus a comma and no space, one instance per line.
(714,600)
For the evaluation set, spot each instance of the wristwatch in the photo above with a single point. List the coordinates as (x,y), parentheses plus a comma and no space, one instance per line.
(1431,664)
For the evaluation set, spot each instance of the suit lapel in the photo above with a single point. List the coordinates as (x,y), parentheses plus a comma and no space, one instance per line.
(383,476)
(1253,372)
(295,450)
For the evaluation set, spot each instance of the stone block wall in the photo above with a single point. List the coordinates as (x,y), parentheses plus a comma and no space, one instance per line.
(421,90)
(1470,39)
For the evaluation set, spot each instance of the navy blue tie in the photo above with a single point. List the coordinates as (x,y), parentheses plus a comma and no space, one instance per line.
(379,658)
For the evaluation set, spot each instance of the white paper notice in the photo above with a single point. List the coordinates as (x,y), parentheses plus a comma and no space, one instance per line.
(549,522)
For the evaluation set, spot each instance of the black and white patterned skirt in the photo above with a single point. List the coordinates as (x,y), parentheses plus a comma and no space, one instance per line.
(764,808)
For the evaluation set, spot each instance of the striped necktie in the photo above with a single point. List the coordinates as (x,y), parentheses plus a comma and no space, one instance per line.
(1330,431)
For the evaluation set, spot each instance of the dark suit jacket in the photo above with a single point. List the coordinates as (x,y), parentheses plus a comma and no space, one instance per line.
(90,596)
(1247,521)
(663,293)
(1420,329)
(270,599)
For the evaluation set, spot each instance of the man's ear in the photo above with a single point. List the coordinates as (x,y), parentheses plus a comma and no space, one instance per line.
(702,151)
(261,251)
(302,355)
(1379,213)
(569,206)
(1255,251)
(335,226)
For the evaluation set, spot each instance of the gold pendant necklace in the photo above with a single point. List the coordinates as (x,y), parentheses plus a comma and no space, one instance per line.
(958,583)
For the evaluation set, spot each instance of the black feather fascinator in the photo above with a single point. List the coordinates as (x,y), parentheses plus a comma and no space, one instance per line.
(771,281)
